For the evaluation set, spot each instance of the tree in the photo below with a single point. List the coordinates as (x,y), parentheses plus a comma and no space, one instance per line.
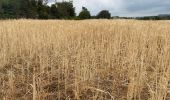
(24,8)
(42,10)
(104,14)
(9,9)
(66,9)
(15,8)
(84,14)
(54,12)
(32,9)
(1,10)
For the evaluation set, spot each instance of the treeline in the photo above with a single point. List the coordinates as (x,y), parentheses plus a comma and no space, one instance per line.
(39,9)
(35,9)
(159,17)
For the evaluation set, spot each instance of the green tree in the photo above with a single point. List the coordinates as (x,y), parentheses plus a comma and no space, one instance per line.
(9,9)
(14,8)
(42,10)
(84,14)
(1,11)
(32,10)
(66,9)
(24,8)
(104,14)
(54,12)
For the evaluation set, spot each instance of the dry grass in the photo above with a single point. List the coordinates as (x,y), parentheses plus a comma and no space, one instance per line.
(84,60)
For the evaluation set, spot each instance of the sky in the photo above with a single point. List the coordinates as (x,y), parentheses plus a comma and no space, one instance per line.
(127,8)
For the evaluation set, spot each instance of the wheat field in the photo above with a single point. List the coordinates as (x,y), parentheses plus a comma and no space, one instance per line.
(84,60)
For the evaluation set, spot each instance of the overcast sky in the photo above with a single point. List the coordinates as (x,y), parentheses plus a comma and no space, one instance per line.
(124,7)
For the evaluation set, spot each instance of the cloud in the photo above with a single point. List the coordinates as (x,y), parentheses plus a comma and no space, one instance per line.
(124,7)
(96,5)
(146,7)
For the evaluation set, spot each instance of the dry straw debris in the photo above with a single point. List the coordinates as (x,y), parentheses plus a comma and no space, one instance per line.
(84,60)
